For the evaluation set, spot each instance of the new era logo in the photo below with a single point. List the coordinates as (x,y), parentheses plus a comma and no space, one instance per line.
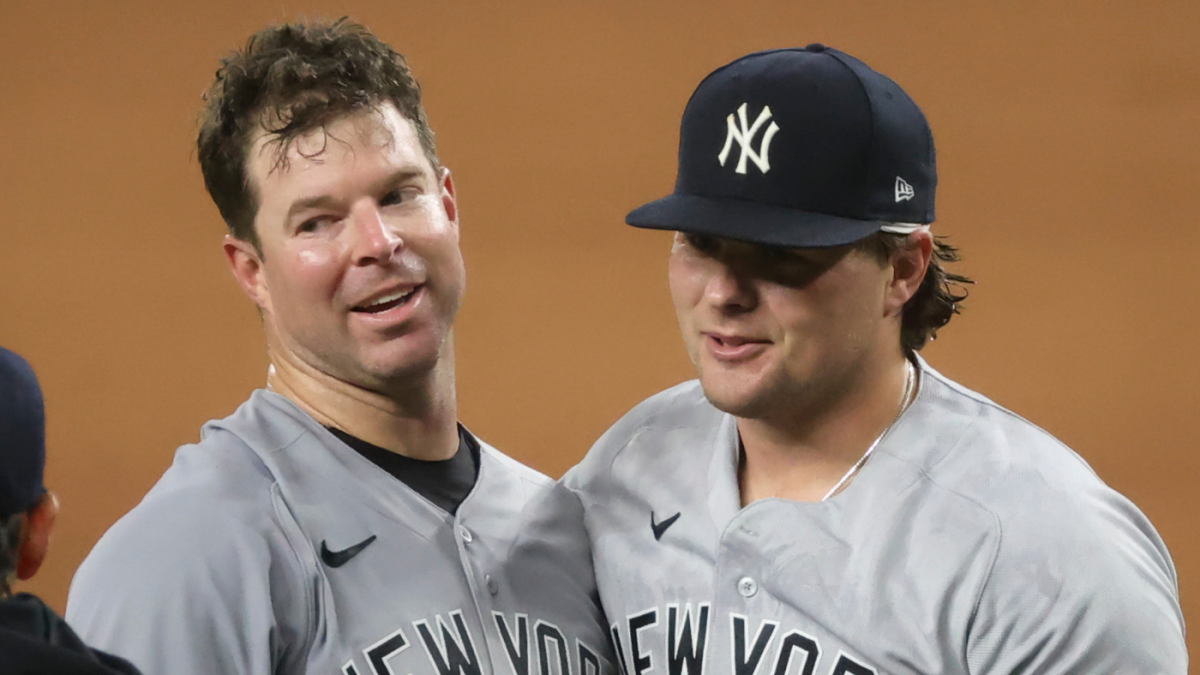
(904,191)
(744,135)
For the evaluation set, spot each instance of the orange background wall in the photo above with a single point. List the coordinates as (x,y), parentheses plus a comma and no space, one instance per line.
(1068,136)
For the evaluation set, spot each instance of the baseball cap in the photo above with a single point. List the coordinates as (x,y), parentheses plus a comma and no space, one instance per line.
(802,148)
(22,435)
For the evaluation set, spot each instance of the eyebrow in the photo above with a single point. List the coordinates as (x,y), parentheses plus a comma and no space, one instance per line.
(397,177)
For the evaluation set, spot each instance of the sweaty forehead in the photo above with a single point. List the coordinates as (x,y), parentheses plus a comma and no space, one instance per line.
(383,128)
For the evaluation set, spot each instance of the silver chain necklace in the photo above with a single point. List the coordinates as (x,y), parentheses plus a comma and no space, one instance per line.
(910,387)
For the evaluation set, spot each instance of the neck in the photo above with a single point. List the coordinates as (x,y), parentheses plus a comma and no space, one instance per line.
(803,454)
(416,417)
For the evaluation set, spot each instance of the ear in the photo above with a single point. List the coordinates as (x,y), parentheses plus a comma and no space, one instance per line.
(245,262)
(35,535)
(909,264)
(449,201)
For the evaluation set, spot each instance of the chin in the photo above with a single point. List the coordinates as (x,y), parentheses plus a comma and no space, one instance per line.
(415,353)
(414,367)
(740,397)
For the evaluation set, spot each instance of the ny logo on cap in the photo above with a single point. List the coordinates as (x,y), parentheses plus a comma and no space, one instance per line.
(745,136)
(904,191)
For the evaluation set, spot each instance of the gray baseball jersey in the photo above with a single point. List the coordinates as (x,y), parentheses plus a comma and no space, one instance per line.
(971,542)
(272,547)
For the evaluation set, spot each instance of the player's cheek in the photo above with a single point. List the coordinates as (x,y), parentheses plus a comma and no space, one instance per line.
(686,282)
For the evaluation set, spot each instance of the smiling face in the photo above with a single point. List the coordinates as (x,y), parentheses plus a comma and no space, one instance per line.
(359,276)
(772,330)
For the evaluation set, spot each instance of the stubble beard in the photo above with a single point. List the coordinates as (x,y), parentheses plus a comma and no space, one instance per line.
(759,399)
(776,396)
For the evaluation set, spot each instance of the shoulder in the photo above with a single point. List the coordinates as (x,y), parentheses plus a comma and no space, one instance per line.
(671,423)
(213,509)
(511,469)
(33,638)
(547,518)
(680,406)
(215,487)
(1036,487)
(209,544)
(1071,553)
(963,441)
(506,483)
(1028,478)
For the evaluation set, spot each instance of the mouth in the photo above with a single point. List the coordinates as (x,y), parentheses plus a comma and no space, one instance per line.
(390,301)
(733,340)
(733,347)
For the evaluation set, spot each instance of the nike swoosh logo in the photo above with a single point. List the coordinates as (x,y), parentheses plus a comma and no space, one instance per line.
(660,528)
(339,558)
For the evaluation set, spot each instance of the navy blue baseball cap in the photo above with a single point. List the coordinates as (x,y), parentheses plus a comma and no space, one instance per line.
(22,436)
(801,148)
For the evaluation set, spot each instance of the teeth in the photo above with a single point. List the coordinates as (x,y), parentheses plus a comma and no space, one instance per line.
(391,298)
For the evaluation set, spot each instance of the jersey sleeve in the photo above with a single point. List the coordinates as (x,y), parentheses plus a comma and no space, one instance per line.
(195,581)
(1091,590)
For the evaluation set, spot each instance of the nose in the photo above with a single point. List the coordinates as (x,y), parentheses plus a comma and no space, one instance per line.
(731,292)
(377,242)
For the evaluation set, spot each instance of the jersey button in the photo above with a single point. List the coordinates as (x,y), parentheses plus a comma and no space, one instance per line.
(466,534)
(492,586)
(747,587)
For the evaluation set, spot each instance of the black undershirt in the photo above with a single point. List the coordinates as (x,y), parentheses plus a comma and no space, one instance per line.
(445,482)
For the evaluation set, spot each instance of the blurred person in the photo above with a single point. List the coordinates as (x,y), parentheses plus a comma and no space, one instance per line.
(342,520)
(34,640)
(821,500)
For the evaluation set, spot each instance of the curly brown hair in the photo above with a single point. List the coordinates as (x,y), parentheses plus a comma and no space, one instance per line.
(290,79)
(938,298)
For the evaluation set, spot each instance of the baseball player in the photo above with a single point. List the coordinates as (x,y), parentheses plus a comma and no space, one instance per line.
(342,521)
(34,640)
(822,501)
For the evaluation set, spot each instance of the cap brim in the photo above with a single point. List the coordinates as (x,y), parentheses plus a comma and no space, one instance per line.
(754,222)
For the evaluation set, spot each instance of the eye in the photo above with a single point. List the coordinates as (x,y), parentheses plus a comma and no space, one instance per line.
(789,257)
(399,196)
(314,224)
(702,242)
(782,255)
